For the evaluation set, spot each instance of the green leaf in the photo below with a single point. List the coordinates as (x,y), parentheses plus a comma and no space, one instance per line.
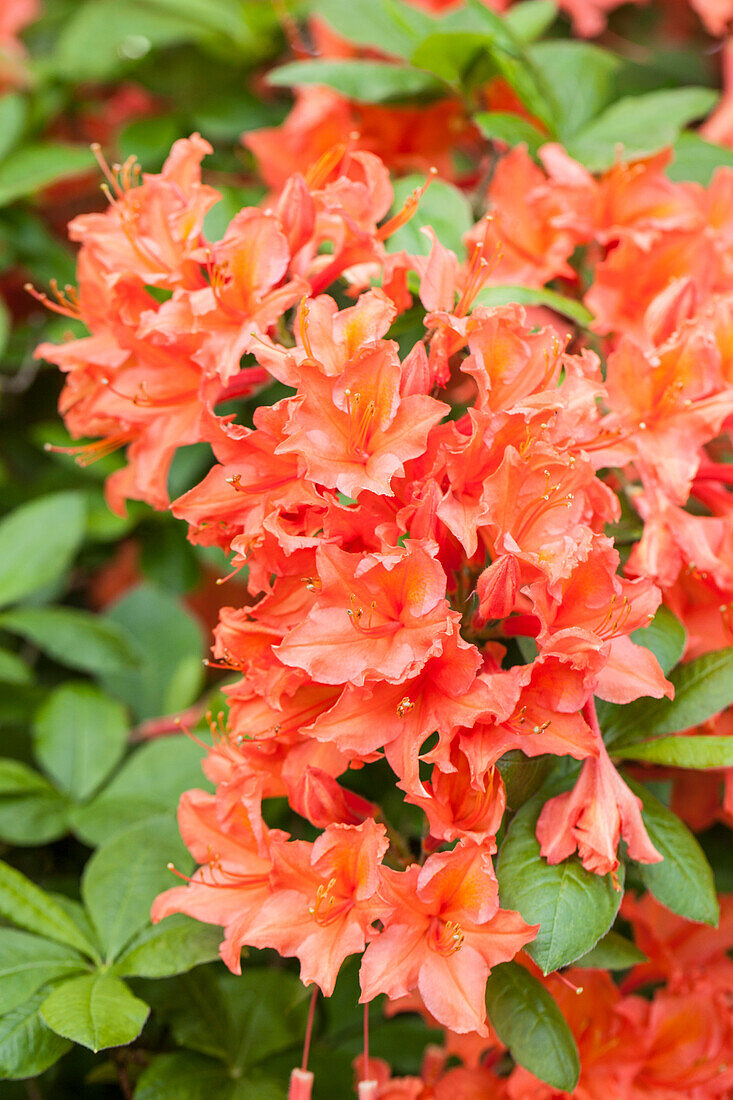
(364,81)
(13,670)
(31,811)
(13,112)
(665,637)
(573,907)
(526,1018)
(22,903)
(27,1046)
(124,876)
(509,128)
(96,1010)
(33,167)
(442,206)
(530,19)
(613,952)
(532,296)
(683,752)
(523,775)
(75,638)
(683,882)
(37,542)
(703,687)
(29,962)
(149,783)
(461,59)
(80,735)
(640,125)
(174,946)
(188,1076)
(697,160)
(170,646)
(583,78)
(393,27)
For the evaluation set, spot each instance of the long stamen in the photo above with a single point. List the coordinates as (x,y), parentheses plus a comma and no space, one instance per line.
(403,216)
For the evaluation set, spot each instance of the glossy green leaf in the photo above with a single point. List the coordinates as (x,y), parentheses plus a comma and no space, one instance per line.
(37,542)
(583,78)
(22,903)
(683,882)
(174,946)
(573,907)
(683,752)
(639,125)
(32,167)
(613,952)
(27,1045)
(509,128)
(526,1018)
(31,810)
(75,638)
(703,687)
(169,643)
(188,1076)
(125,875)
(96,1010)
(665,637)
(29,962)
(535,296)
(523,775)
(364,81)
(149,783)
(80,735)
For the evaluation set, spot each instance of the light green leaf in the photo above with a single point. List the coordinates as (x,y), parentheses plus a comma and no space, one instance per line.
(509,128)
(364,81)
(13,670)
(640,125)
(22,903)
(573,907)
(461,59)
(390,25)
(75,638)
(683,882)
(703,687)
(149,783)
(665,637)
(174,946)
(613,952)
(31,811)
(80,735)
(697,160)
(535,296)
(33,167)
(169,643)
(124,876)
(530,19)
(97,1011)
(442,206)
(27,1046)
(13,112)
(29,962)
(37,542)
(683,752)
(583,78)
(526,1017)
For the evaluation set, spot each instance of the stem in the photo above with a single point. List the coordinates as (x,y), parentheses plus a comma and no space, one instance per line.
(309,1029)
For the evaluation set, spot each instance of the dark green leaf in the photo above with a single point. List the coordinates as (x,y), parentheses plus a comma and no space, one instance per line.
(509,128)
(75,638)
(31,811)
(95,1010)
(573,907)
(194,1077)
(665,637)
(80,734)
(683,881)
(33,167)
(174,946)
(28,962)
(22,903)
(124,876)
(532,296)
(683,752)
(27,1046)
(613,952)
(149,783)
(169,643)
(523,775)
(703,687)
(639,125)
(365,81)
(37,542)
(526,1018)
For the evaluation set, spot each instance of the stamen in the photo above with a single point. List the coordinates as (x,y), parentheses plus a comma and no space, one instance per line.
(403,216)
